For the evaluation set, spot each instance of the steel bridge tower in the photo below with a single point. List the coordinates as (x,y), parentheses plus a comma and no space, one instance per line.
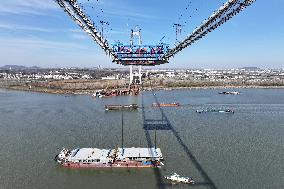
(135,32)
(150,55)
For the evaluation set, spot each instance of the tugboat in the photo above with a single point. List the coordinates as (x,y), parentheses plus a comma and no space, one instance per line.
(215,111)
(121,107)
(175,178)
(175,104)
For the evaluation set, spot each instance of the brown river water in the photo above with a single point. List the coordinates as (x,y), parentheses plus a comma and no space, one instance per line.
(224,151)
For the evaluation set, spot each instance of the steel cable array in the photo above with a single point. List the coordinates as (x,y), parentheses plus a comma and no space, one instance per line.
(75,12)
(222,15)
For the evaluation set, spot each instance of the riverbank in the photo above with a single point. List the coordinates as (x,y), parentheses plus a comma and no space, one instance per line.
(217,87)
(153,88)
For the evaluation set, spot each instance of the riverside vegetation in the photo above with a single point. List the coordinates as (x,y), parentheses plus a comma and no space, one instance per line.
(90,86)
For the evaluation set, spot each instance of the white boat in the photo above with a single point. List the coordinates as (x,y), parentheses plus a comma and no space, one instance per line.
(175,178)
(230,93)
(235,92)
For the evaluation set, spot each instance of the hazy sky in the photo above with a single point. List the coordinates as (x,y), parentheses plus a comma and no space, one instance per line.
(39,33)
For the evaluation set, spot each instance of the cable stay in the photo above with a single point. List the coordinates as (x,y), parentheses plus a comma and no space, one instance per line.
(75,12)
(219,17)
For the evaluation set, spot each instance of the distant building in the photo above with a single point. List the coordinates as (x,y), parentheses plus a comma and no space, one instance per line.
(110,77)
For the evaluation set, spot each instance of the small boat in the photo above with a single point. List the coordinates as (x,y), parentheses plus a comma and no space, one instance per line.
(230,93)
(215,111)
(175,104)
(100,96)
(121,107)
(104,94)
(175,178)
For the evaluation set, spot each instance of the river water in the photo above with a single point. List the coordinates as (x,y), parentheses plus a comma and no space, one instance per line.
(224,151)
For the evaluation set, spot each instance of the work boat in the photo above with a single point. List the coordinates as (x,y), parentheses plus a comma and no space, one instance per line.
(215,111)
(121,107)
(175,178)
(107,158)
(175,104)
(230,93)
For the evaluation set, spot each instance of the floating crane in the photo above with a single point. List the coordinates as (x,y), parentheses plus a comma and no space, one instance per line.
(151,55)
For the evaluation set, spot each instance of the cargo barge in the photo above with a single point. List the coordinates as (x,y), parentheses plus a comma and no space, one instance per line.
(110,158)
(175,104)
(121,107)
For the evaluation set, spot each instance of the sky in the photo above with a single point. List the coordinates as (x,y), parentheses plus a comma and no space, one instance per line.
(39,33)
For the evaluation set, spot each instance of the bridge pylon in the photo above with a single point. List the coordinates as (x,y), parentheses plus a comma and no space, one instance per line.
(134,79)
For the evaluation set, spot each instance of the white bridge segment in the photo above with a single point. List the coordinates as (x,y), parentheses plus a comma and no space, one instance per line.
(75,12)
(219,17)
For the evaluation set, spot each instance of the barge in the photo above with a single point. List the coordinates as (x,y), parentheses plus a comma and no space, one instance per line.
(121,107)
(230,93)
(175,104)
(215,111)
(110,158)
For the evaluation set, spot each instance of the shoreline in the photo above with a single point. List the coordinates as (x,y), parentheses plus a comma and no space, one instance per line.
(158,88)
(221,87)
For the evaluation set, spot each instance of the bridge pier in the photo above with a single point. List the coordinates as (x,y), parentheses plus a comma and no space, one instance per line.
(140,74)
(135,78)
(130,74)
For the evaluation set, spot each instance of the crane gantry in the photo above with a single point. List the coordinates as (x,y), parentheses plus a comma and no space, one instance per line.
(146,55)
